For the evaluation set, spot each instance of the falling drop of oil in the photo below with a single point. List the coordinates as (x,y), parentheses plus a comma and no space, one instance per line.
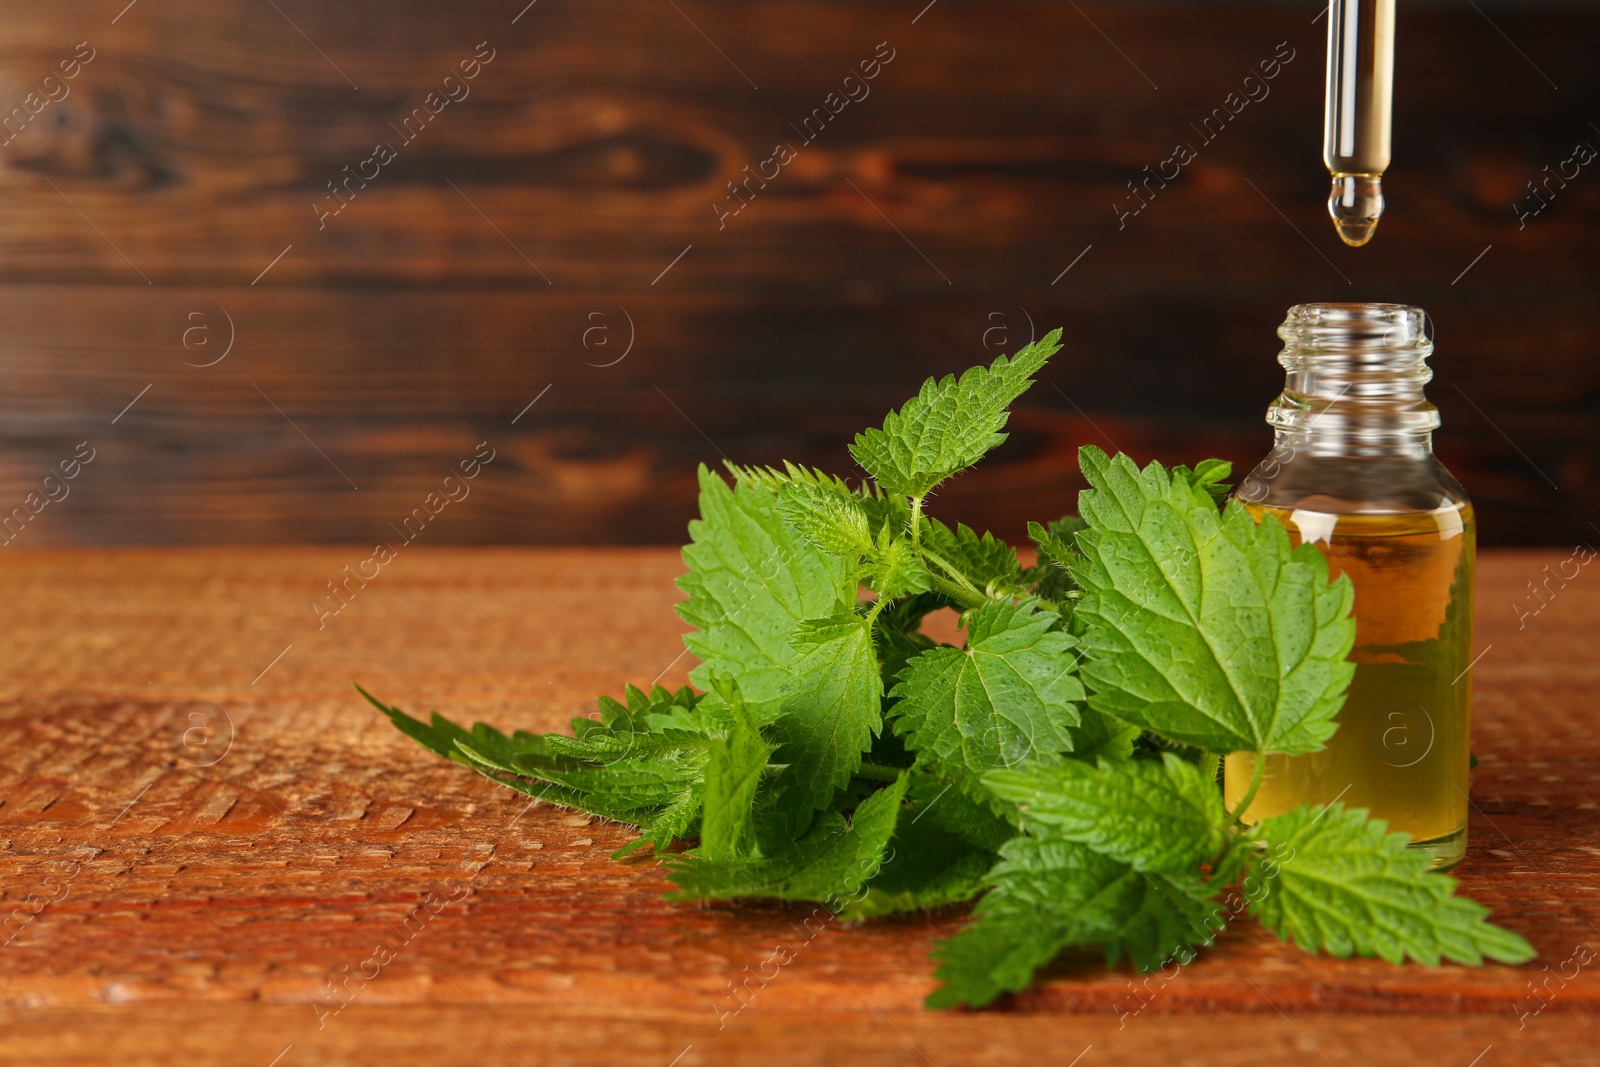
(1355,232)
(1356,204)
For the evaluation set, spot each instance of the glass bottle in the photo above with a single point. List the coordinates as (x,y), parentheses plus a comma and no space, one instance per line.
(1353,471)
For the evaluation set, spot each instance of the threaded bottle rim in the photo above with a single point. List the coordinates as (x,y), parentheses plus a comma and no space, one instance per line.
(1355,377)
(1395,328)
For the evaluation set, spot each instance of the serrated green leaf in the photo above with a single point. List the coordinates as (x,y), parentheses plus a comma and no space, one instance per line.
(1205,627)
(1048,895)
(752,579)
(943,847)
(1052,547)
(1066,529)
(1099,736)
(1208,475)
(988,562)
(1008,697)
(898,633)
(633,783)
(629,716)
(483,748)
(925,867)
(1157,815)
(829,518)
(999,953)
(617,770)
(735,764)
(937,803)
(896,570)
(889,511)
(658,793)
(1050,577)
(831,861)
(773,480)
(953,878)
(883,509)
(832,707)
(1333,880)
(950,424)
(439,736)
(896,647)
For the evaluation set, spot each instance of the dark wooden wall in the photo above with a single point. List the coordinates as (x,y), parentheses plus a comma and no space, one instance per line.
(522,243)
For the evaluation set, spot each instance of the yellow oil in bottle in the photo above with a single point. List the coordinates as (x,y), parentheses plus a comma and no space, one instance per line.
(1401,750)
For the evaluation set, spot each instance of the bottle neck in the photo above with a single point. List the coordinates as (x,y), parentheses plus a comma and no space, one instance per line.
(1355,382)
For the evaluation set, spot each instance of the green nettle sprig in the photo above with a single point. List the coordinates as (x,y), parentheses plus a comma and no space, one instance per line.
(1060,769)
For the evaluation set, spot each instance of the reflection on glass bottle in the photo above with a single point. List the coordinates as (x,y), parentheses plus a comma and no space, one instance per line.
(1353,471)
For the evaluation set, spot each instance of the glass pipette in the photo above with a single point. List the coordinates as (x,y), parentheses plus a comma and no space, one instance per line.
(1355,142)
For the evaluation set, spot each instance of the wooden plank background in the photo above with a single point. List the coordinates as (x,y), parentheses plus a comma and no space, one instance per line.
(561,215)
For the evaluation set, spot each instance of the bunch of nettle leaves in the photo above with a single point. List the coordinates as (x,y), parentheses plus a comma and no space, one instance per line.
(1061,769)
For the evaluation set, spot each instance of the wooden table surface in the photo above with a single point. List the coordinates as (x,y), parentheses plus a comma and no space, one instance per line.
(180,903)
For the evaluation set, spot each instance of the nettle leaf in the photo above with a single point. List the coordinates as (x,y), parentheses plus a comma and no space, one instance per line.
(1158,815)
(881,508)
(896,570)
(1048,895)
(1335,880)
(896,648)
(631,716)
(1067,527)
(619,770)
(735,764)
(1001,951)
(773,480)
(1207,475)
(438,736)
(943,847)
(831,519)
(950,424)
(752,580)
(1009,696)
(1203,626)
(1049,575)
(1052,546)
(832,708)
(936,802)
(653,783)
(832,860)
(925,867)
(1099,736)
(986,561)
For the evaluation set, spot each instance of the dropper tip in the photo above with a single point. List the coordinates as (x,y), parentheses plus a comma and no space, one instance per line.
(1355,205)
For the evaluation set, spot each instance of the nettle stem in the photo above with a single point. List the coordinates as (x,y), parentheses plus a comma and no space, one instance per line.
(965,594)
(878,772)
(1249,794)
(958,586)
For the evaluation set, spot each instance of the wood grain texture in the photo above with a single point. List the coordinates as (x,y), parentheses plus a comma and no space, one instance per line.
(334,413)
(201,897)
(925,228)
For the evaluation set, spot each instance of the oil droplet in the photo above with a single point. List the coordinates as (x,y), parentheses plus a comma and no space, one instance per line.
(1355,232)
(1356,204)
